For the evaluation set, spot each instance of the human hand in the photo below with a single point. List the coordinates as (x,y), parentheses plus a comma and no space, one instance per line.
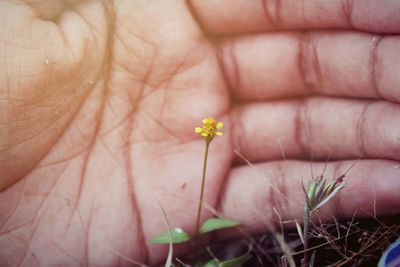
(99,101)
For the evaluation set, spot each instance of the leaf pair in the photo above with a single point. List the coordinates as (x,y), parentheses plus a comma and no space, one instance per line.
(179,236)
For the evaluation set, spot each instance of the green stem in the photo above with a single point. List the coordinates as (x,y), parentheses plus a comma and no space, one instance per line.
(203,180)
(305,233)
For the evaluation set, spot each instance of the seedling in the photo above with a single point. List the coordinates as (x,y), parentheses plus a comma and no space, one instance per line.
(318,193)
(209,130)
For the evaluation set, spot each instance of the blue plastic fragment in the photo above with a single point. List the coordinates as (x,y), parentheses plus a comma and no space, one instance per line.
(391,256)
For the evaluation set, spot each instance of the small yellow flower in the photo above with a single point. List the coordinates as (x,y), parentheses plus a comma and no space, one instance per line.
(210,129)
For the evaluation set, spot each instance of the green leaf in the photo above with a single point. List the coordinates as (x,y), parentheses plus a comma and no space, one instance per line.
(216,224)
(228,263)
(177,236)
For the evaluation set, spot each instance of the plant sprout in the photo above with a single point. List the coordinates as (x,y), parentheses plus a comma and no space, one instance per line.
(208,131)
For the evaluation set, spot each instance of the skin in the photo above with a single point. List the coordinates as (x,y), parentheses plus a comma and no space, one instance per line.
(99,101)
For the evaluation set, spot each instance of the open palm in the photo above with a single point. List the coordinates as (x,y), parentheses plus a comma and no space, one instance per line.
(99,101)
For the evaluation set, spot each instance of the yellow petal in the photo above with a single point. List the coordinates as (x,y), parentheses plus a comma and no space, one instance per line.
(208,121)
(219,133)
(219,125)
(198,130)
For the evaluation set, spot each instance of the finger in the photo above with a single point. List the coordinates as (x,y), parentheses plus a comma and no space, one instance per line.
(320,127)
(252,194)
(244,16)
(335,63)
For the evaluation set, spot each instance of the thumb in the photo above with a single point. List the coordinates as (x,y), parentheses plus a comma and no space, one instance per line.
(44,76)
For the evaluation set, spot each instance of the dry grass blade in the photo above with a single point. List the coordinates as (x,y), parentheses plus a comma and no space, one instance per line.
(300,232)
(262,175)
(284,246)
(168,262)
